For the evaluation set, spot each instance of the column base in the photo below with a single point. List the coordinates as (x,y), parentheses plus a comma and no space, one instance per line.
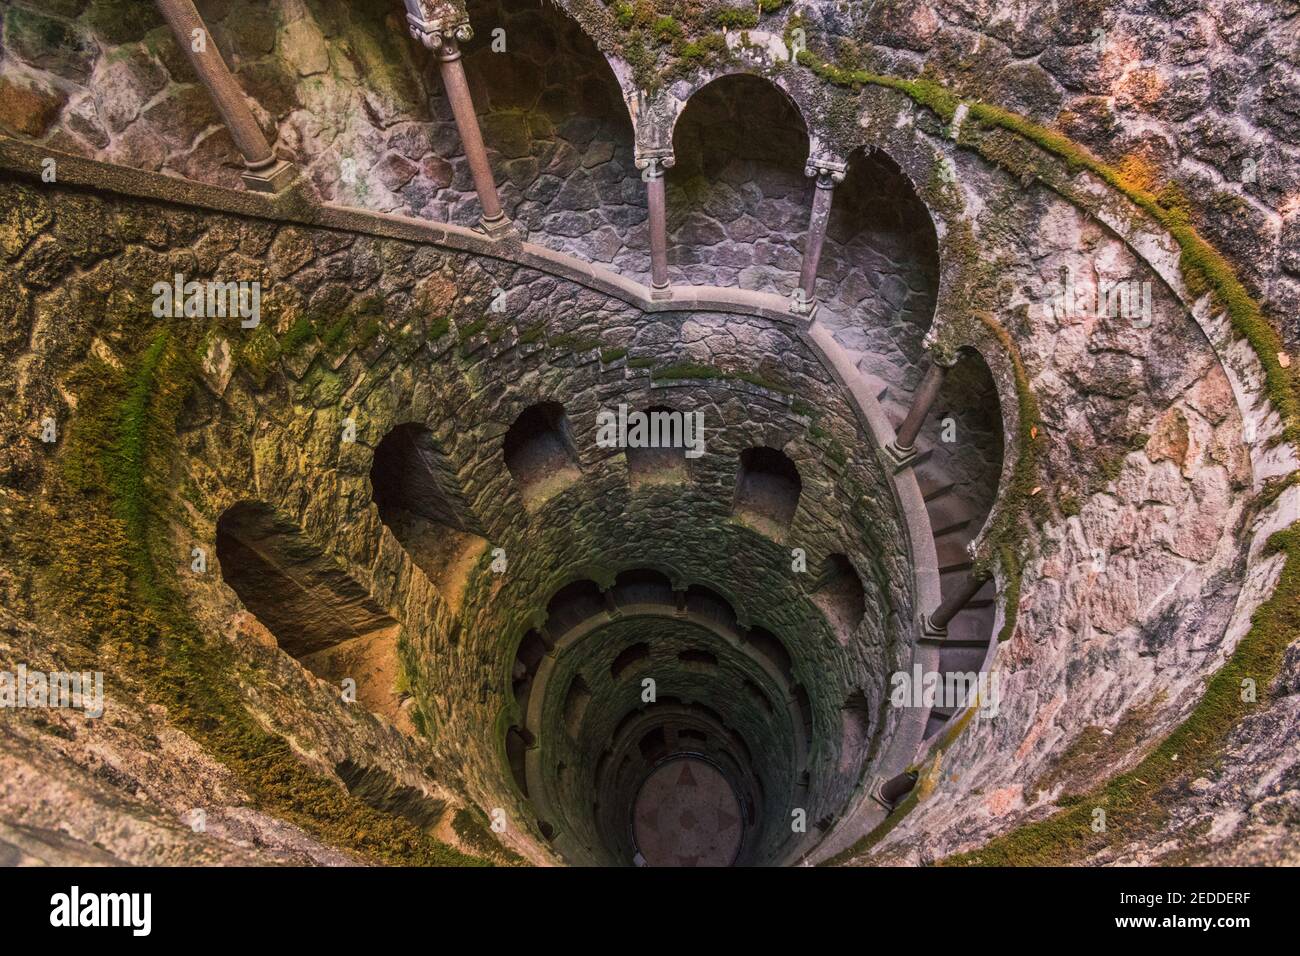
(899,456)
(877,796)
(807,309)
(661,292)
(932,633)
(271,178)
(502,227)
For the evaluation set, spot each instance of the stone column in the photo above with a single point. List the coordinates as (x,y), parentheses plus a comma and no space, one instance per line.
(890,792)
(903,448)
(652,171)
(828,173)
(442,27)
(263,171)
(936,625)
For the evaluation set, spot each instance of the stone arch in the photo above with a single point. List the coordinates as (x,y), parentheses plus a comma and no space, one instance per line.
(768,488)
(773,650)
(880,267)
(662,464)
(628,658)
(304,598)
(528,657)
(539,452)
(554,114)
(840,595)
(418,496)
(737,195)
(776,83)
(572,604)
(645,584)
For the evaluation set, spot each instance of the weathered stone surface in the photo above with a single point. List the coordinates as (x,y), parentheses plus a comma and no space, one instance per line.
(1138,556)
(25,109)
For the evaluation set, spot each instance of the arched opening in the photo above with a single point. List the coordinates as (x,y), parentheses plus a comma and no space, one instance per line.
(662,457)
(653,745)
(878,277)
(558,134)
(711,605)
(576,699)
(771,649)
(315,611)
(697,659)
(518,741)
(528,657)
(418,496)
(803,704)
(643,586)
(840,595)
(738,198)
(628,658)
(540,454)
(855,731)
(767,490)
(962,447)
(574,603)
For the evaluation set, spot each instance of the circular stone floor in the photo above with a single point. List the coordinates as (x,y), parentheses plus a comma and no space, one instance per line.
(686,814)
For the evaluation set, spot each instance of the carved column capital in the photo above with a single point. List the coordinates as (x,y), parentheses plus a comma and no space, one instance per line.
(827,170)
(440,25)
(653,165)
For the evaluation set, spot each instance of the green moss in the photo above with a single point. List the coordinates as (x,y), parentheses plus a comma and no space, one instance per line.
(708,48)
(110,577)
(334,334)
(685,370)
(762,381)
(1204,268)
(471,826)
(298,335)
(640,362)
(258,353)
(666,30)
(573,343)
(1136,802)
(730,19)
(612,355)
(439,327)
(533,333)
(624,14)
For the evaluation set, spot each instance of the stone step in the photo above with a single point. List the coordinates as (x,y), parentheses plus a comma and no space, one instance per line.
(951,549)
(932,481)
(876,385)
(973,625)
(948,513)
(963,657)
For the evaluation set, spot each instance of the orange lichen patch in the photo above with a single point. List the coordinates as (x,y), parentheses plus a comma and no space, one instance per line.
(1040,724)
(1140,88)
(1004,799)
(1171,439)
(1138,172)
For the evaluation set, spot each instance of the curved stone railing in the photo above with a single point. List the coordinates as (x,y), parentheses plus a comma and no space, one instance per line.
(298,206)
